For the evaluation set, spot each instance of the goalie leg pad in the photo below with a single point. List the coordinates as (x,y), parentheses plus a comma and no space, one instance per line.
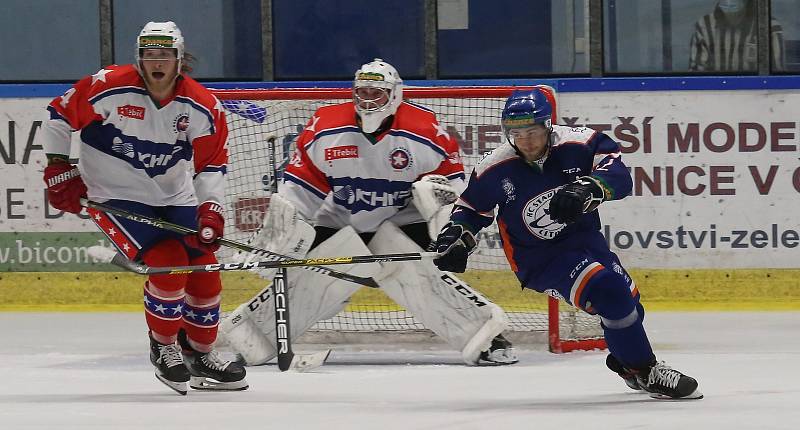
(283,231)
(446,305)
(312,297)
(240,333)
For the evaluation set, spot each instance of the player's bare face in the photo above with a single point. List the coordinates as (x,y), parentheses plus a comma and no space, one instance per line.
(159,68)
(531,141)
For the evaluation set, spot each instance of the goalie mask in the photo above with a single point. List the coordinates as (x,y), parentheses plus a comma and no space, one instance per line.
(159,35)
(732,6)
(528,113)
(377,93)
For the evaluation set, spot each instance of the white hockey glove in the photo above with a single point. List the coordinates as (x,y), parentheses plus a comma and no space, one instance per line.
(433,196)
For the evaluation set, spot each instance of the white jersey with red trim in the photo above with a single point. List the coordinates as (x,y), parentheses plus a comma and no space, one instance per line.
(134,148)
(339,176)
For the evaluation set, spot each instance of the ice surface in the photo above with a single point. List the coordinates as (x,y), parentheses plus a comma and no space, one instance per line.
(87,371)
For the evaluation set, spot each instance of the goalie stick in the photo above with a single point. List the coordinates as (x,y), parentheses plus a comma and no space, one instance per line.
(283,341)
(166,225)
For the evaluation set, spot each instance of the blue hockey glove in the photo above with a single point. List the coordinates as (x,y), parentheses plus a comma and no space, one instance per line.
(454,245)
(576,198)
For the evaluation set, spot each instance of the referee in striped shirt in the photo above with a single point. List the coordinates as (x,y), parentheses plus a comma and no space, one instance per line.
(726,39)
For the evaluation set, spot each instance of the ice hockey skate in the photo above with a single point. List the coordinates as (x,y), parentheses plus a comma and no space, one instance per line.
(666,383)
(170,368)
(658,379)
(628,376)
(499,353)
(209,371)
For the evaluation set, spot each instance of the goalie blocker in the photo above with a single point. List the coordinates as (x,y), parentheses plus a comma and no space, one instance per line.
(463,317)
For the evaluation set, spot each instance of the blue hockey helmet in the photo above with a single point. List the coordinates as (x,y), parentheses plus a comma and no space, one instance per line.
(526,108)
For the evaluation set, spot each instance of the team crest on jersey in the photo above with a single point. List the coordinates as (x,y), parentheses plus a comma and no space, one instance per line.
(400,159)
(536,215)
(508,188)
(131,111)
(181,123)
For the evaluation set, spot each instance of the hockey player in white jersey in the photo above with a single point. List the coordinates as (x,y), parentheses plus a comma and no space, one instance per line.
(152,141)
(375,175)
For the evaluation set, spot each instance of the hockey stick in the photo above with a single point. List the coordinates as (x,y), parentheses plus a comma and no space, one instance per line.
(107,255)
(282,329)
(166,225)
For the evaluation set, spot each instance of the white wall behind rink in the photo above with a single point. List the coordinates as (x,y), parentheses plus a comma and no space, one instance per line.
(717,175)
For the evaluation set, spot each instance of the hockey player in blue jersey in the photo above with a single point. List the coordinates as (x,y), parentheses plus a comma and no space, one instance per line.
(546,183)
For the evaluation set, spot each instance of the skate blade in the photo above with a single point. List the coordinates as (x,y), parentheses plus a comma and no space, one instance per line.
(696,395)
(483,363)
(208,384)
(178,387)
(503,361)
(306,362)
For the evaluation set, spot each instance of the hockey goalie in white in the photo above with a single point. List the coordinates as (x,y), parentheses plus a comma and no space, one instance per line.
(374,175)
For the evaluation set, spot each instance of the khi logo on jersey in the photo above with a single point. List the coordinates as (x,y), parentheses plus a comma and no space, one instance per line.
(131,111)
(400,158)
(339,152)
(536,215)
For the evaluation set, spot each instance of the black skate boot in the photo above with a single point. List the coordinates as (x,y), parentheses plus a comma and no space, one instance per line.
(169,365)
(628,376)
(666,383)
(500,352)
(209,371)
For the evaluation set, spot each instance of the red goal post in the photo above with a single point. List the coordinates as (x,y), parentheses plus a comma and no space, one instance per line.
(471,116)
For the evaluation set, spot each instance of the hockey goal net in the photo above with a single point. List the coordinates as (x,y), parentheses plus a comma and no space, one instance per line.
(471,117)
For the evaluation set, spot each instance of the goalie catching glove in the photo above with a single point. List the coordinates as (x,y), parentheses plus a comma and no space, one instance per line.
(454,245)
(576,198)
(433,196)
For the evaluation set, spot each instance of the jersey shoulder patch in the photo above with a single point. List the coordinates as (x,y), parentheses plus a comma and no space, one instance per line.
(497,156)
(565,135)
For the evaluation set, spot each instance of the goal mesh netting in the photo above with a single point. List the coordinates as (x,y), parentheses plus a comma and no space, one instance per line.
(471,117)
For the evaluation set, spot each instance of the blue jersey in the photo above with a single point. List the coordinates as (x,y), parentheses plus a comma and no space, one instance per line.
(520,194)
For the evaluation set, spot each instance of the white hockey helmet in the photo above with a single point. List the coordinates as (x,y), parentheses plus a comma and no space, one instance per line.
(160,35)
(373,107)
